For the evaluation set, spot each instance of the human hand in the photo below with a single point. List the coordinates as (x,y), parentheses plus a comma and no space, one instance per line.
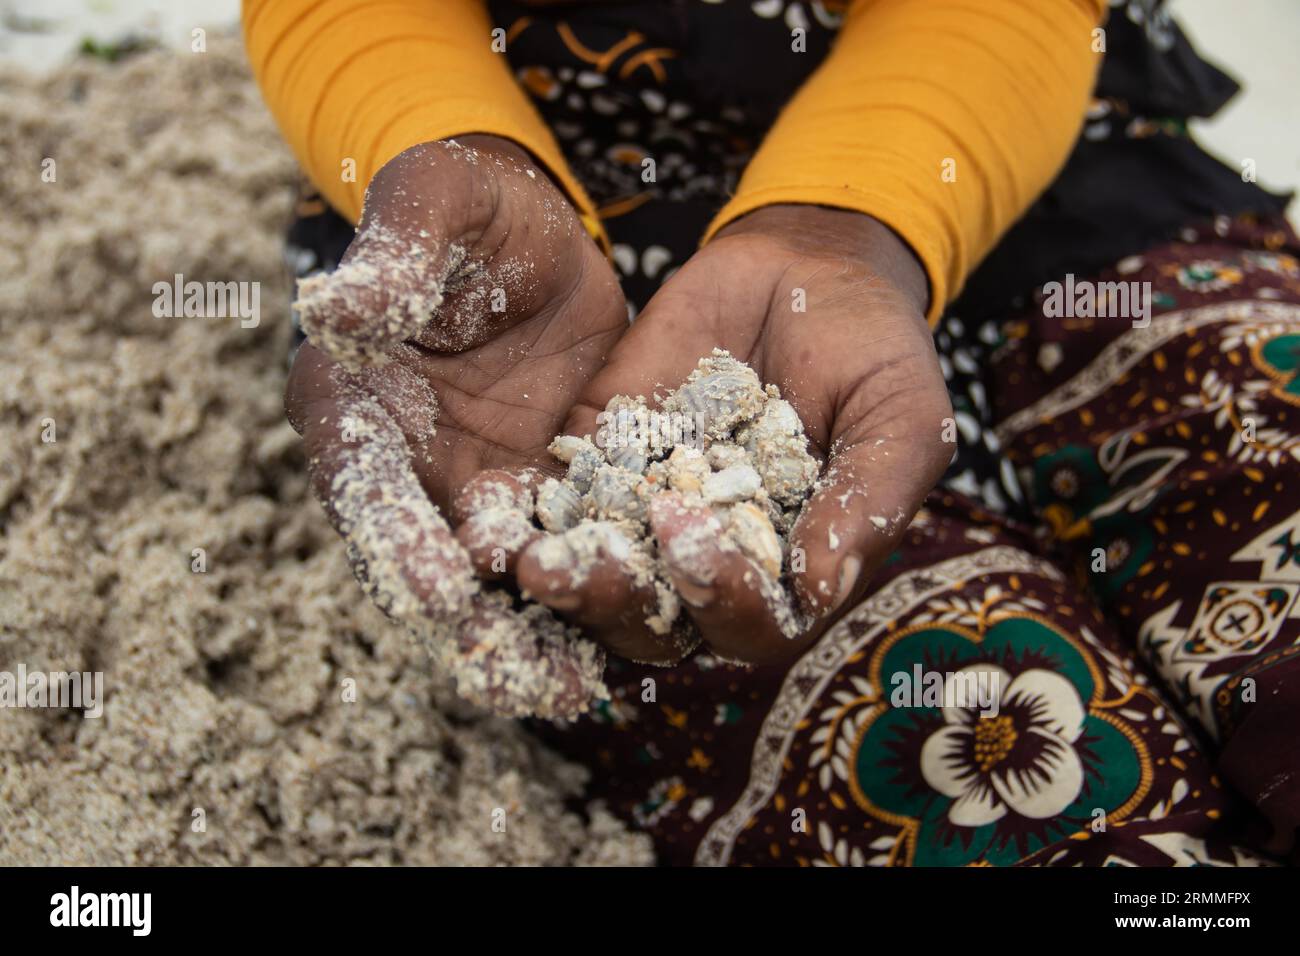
(859,366)
(529,309)
(473,276)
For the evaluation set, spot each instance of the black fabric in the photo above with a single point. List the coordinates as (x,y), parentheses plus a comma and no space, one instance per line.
(1135,177)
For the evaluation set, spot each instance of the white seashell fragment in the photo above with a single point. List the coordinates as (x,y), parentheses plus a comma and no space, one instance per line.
(754,535)
(732,484)
(721,455)
(564,447)
(787,468)
(779,419)
(687,470)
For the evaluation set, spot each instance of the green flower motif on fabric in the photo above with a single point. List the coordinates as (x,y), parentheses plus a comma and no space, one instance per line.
(1279,358)
(994,789)
(728,713)
(1070,478)
(1069,486)
(1127,547)
(1209,275)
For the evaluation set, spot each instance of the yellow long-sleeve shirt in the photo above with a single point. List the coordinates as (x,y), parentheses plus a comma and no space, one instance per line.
(943,119)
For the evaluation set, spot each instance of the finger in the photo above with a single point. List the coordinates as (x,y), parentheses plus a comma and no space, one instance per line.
(402,549)
(597,579)
(860,507)
(424,214)
(382,293)
(521,663)
(494,520)
(458,240)
(515,662)
(397,386)
(741,610)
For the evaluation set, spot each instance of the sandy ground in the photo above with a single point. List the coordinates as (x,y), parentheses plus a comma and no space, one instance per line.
(226,736)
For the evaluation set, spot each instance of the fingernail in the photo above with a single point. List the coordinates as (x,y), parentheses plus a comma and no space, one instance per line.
(695,595)
(850,568)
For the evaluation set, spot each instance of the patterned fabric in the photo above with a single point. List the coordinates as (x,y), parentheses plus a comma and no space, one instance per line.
(1130,699)
(1146,620)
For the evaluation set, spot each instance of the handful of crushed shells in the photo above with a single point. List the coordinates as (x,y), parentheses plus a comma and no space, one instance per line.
(721,440)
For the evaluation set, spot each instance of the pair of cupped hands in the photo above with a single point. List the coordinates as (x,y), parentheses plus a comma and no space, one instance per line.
(827,304)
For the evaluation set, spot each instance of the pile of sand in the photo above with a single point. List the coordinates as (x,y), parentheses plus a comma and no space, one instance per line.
(225,690)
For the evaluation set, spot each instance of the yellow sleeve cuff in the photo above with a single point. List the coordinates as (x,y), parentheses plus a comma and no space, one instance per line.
(944,119)
(352,83)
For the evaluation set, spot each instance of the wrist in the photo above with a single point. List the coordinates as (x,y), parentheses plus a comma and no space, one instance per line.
(497,146)
(469,153)
(825,232)
(453,187)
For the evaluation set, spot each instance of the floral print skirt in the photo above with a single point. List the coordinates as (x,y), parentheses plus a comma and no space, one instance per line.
(1132,651)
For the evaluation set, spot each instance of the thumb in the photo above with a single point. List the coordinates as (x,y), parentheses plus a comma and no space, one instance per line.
(466,231)
(426,212)
(654,356)
(382,294)
(861,506)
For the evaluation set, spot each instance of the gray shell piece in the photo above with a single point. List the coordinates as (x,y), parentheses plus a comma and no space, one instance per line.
(630,434)
(631,458)
(614,493)
(583,467)
(787,468)
(558,506)
(778,448)
(720,394)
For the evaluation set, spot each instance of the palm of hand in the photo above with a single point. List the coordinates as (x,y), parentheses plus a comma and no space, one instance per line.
(530,310)
(501,403)
(845,348)
(486,228)
(841,333)
(844,337)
